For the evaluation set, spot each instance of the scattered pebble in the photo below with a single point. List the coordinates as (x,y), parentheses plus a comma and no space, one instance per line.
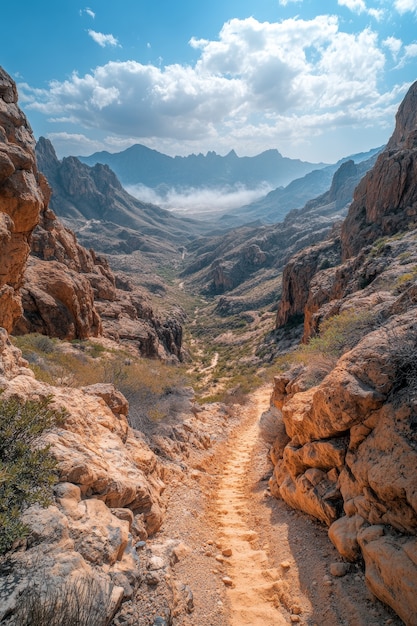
(219,558)
(339,569)
(227,552)
(285,565)
(294,619)
(227,581)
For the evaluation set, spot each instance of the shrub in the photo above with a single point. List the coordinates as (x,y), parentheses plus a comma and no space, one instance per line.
(79,602)
(27,469)
(338,334)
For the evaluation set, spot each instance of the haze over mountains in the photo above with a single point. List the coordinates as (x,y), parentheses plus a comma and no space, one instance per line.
(200,184)
(141,165)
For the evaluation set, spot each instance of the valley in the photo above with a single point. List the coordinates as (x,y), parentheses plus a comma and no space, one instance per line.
(233,437)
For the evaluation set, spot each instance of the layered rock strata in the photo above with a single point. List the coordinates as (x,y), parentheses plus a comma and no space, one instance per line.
(349,454)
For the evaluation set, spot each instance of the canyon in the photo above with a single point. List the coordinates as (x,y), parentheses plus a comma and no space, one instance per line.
(187,520)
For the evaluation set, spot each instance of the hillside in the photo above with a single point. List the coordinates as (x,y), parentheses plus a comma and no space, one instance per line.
(244,265)
(93,202)
(273,207)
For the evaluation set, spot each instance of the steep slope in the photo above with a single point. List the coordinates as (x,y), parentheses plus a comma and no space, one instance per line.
(277,203)
(141,165)
(71,293)
(349,454)
(244,264)
(93,202)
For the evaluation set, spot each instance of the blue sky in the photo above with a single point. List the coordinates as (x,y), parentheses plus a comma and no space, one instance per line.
(316,80)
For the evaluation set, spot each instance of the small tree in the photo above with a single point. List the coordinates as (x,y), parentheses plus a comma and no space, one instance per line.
(27,468)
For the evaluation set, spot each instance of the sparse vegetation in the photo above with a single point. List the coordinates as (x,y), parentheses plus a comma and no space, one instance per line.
(337,335)
(75,602)
(153,388)
(27,469)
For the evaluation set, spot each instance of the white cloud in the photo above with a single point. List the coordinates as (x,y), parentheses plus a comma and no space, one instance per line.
(393,44)
(378,14)
(285,2)
(403,6)
(411,51)
(103,40)
(90,12)
(256,85)
(357,6)
(73,143)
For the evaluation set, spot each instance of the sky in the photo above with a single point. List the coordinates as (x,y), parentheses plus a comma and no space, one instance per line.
(316,79)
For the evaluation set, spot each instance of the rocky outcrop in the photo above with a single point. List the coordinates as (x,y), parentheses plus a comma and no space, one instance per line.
(385,202)
(107,497)
(351,456)
(298,274)
(21,198)
(71,293)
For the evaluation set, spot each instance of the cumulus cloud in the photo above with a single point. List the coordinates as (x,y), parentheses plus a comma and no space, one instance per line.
(404,6)
(73,143)
(103,40)
(357,6)
(265,77)
(393,44)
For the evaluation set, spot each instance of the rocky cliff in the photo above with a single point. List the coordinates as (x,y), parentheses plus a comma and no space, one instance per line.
(348,450)
(71,293)
(21,198)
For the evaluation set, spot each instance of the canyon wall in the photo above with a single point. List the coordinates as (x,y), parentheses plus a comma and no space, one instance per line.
(348,406)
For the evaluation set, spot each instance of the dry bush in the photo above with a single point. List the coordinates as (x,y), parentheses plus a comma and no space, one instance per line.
(80,602)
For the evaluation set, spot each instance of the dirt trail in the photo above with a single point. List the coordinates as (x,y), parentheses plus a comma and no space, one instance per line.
(253,595)
(279,569)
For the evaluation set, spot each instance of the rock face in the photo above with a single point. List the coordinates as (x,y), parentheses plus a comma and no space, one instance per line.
(21,198)
(352,451)
(385,201)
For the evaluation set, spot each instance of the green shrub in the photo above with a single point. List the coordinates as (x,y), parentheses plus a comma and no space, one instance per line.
(27,469)
(338,334)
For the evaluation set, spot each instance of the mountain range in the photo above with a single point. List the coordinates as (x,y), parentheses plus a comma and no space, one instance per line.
(141,165)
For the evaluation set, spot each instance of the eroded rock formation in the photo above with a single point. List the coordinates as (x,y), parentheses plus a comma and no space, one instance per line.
(351,457)
(66,291)
(21,198)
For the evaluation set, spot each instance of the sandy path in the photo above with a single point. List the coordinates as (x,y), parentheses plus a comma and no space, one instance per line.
(279,568)
(253,595)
